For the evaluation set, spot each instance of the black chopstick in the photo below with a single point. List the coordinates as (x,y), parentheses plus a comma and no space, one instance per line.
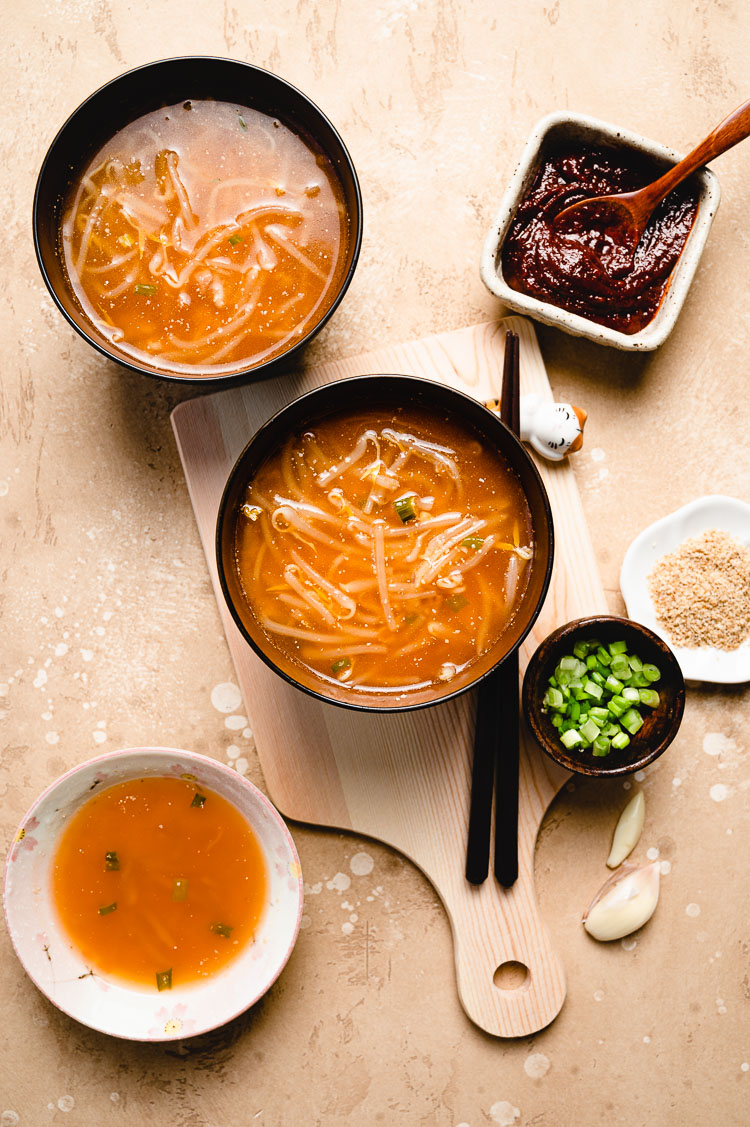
(507,749)
(495,706)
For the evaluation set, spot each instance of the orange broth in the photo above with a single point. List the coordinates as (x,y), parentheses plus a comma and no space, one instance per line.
(204,237)
(158,882)
(385,550)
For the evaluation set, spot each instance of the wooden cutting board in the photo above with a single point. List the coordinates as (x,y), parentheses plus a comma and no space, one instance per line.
(404,779)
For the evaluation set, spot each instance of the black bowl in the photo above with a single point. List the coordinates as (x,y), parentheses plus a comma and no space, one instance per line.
(660,725)
(387,391)
(138,92)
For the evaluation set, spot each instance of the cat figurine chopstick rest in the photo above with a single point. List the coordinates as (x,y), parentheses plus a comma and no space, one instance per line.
(552,429)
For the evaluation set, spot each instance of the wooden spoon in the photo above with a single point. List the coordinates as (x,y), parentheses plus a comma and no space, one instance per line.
(629,212)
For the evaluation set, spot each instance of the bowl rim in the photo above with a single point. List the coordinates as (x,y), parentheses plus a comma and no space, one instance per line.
(222,515)
(190,758)
(658,329)
(256,371)
(530,714)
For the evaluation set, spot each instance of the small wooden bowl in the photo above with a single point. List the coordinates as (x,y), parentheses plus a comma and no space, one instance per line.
(660,725)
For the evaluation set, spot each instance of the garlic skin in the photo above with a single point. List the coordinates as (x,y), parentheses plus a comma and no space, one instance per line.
(627,830)
(624,903)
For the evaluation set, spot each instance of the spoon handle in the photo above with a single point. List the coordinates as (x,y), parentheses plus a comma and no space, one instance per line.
(734,128)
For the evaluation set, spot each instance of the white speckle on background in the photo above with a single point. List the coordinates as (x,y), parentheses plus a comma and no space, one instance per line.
(647,1040)
(40,679)
(87,655)
(99,736)
(114,1097)
(603,473)
(677,781)
(340,883)
(241,765)
(693,910)
(347,928)
(536,1066)
(361,864)
(504,1114)
(59,612)
(639,776)
(304,923)
(463,1124)
(313,889)
(66,1103)
(745,1067)
(720,1007)
(597,454)
(234,723)
(9,1119)
(61,649)
(4,487)
(628,944)
(719,792)
(226,697)
(627,784)
(233,752)
(652,853)
(598,995)
(665,867)
(52,737)
(4,689)
(714,743)
(247,733)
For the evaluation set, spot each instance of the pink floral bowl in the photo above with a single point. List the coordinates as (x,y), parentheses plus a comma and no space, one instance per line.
(60,972)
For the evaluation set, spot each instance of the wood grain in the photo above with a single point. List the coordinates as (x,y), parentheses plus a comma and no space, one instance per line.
(404,779)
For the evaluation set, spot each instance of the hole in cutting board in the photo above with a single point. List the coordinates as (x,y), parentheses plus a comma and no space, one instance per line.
(511,975)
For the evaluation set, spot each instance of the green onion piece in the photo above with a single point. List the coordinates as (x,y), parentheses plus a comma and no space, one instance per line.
(613,684)
(630,695)
(224,930)
(553,698)
(649,697)
(412,618)
(597,677)
(620,668)
(591,661)
(635,663)
(599,715)
(199,800)
(568,663)
(581,649)
(234,239)
(149,291)
(111,862)
(632,720)
(164,979)
(601,746)
(107,908)
(651,672)
(592,689)
(603,656)
(617,706)
(457,603)
(589,730)
(574,711)
(571,738)
(618,648)
(342,663)
(621,740)
(405,508)
(556,720)
(241,120)
(474,542)
(180,888)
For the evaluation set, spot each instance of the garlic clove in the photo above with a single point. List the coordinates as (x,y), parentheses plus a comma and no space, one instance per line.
(624,902)
(627,830)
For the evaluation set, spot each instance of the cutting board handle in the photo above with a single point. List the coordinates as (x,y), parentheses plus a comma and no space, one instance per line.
(511,980)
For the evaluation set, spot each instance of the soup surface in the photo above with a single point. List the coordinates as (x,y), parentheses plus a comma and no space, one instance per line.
(158,881)
(205,236)
(384,550)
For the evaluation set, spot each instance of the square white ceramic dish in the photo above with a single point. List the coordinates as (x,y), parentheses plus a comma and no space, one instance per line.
(581,129)
(135,1013)
(666,535)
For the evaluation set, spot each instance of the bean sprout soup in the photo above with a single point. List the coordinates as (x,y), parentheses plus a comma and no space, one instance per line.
(384,550)
(205,237)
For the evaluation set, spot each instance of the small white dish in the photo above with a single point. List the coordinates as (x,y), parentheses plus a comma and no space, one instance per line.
(580,129)
(135,1013)
(705,663)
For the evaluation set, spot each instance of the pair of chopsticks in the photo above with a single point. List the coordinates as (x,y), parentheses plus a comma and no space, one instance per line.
(496,759)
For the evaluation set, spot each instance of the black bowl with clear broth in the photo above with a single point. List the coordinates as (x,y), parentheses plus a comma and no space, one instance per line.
(386,391)
(141,91)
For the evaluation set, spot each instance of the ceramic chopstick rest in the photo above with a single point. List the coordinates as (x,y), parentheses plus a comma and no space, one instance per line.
(551,429)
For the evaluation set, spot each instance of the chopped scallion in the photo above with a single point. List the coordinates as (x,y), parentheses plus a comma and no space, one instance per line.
(241,120)
(224,930)
(199,800)
(164,979)
(341,664)
(457,603)
(142,288)
(234,239)
(111,862)
(107,908)
(405,508)
(473,542)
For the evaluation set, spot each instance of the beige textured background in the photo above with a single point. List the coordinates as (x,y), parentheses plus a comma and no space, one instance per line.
(110,634)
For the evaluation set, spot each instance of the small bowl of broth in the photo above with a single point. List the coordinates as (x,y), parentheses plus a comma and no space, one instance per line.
(153,894)
(384,542)
(197,219)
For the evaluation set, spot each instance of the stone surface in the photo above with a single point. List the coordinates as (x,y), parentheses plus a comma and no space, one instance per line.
(111,636)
